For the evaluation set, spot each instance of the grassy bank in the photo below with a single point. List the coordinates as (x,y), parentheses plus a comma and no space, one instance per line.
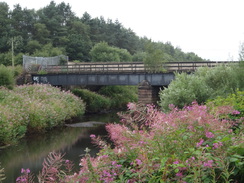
(34,108)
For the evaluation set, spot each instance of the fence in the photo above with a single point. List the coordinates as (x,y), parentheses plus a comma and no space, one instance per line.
(35,64)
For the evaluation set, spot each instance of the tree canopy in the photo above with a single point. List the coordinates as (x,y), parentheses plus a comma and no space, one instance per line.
(56,29)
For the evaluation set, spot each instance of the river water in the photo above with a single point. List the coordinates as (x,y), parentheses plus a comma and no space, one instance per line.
(31,151)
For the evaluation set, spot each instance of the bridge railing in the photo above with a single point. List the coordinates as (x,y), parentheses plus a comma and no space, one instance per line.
(92,67)
(130,67)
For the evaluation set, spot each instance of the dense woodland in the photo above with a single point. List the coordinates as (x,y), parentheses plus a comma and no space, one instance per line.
(55,30)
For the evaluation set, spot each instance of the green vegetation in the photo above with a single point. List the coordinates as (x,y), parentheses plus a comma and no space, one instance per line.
(57,30)
(94,102)
(107,98)
(189,145)
(102,52)
(120,95)
(233,99)
(206,83)
(6,77)
(34,108)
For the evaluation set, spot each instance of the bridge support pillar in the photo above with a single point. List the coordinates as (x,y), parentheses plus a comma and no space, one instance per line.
(147,94)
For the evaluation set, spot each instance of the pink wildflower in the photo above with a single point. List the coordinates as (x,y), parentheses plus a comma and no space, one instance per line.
(67,161)
(208,164)
(171,106)
(200,143)
(176,162)
(179,174)
(22,170)
(230,131)
(138,161)
(209,134)
(27,170)
(93,136)
(131,106)
(235,112)
(217,145)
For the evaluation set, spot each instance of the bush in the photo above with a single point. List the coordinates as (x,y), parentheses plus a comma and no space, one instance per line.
(206,83)
(120,95)
(35,108)
(6,77)
(236,100)
(94,102)
(183,90)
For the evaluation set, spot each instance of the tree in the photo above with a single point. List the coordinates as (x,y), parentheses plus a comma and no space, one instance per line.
(78,47)
(139,56)
(154,59)
(4,27)
(48,51)
(56,18)
(32,46)
(102,52)
(22,21)
(41,33)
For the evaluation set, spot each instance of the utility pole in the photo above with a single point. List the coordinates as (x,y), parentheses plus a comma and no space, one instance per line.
(12,45)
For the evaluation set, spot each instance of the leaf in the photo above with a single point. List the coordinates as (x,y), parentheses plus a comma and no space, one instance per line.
(51,166)
(234,159)
(2,174)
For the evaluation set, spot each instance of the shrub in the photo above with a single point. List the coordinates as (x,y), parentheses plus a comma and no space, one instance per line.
(18,70)
(183,90)
(120,95)
(34,108)
(6,77)
(94,102)
(206,83)
(236,100)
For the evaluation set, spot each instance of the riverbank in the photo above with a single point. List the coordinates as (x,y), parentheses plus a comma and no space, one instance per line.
(35,108)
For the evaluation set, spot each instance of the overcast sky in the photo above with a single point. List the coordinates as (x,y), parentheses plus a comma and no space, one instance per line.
(213,29)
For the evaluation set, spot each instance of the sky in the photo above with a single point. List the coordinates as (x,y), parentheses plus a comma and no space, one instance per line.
(212,29)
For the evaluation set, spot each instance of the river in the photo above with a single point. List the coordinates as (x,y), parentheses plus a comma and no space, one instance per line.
(31,151)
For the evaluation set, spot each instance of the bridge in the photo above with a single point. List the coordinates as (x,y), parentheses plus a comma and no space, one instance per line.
(148,78)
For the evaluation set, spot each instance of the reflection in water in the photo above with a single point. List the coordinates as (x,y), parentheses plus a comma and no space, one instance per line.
(30,152)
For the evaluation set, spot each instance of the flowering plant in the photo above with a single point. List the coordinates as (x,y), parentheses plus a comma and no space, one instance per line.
(188,145)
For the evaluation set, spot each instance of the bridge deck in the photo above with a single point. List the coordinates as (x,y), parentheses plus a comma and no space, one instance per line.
(128,67)
(126,73)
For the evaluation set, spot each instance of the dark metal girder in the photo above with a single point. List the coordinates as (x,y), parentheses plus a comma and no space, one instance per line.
(155,79)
